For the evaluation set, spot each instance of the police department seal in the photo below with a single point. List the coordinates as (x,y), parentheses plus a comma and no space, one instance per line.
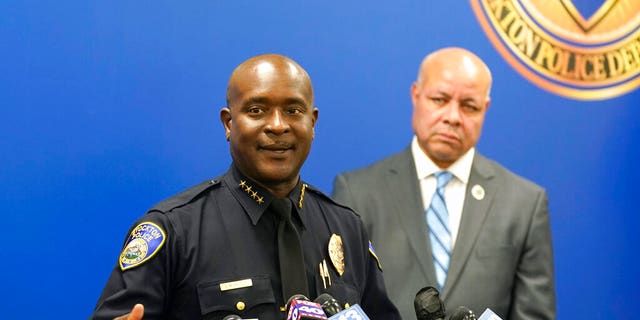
(144,242)
(554,46)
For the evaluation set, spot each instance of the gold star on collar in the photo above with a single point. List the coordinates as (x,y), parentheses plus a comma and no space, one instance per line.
(253,194)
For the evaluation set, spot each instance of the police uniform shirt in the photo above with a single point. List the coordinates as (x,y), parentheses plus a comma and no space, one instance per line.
(211,251)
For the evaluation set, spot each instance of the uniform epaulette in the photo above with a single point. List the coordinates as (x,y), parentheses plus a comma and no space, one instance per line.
(185,196)
(326,197)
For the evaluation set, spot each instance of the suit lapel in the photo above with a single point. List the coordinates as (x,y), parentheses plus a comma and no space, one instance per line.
(404,192)
(474,214)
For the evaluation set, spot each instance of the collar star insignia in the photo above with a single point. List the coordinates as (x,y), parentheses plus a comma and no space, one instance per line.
(253,194)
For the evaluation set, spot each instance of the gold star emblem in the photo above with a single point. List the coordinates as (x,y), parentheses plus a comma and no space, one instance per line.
(254,195)
(243,184)
(260,200)
(248,189)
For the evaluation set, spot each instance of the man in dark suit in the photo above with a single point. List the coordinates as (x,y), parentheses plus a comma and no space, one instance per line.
(482,237)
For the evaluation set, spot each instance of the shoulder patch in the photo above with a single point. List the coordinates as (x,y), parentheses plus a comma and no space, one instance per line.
(143,243)
(375,256)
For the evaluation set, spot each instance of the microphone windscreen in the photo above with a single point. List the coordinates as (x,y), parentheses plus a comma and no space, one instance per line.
(463,313)
(329,304)
(428,305)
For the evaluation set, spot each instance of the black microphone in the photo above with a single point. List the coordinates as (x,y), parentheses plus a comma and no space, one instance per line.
(328,304)
(232,317)
(428,304)
(463,313)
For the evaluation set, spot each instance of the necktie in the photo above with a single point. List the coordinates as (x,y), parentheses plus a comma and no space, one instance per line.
(439,232)
(290,256)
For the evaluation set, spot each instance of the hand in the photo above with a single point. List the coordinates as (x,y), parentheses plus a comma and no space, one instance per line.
(136,313)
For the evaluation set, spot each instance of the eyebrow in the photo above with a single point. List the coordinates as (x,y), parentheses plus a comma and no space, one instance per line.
(266,100)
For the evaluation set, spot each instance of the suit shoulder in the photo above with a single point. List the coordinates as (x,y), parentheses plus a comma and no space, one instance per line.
(371,171)
(187,196)
(510,178)
(325,200)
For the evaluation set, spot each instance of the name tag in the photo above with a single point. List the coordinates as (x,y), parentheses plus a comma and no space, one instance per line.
(236,284)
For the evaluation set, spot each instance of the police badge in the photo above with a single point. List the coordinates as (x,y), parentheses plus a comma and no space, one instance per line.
(336,253)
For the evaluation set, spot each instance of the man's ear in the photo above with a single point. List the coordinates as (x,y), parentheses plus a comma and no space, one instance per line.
(315,119)
(225,118)
(414,93)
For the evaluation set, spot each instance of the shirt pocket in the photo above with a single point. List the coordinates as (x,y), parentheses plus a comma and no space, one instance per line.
(235,295)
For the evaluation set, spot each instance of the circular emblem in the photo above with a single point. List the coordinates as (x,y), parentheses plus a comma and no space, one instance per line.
(135,251)
(561,49)
(478,192)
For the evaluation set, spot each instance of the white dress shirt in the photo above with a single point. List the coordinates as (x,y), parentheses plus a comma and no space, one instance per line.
(454,191)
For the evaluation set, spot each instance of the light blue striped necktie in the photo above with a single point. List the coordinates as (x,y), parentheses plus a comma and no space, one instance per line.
(439,232)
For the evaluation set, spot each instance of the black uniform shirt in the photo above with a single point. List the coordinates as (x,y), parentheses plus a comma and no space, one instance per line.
(211,251)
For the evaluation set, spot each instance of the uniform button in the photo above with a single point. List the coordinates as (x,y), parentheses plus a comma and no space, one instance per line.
(240,305)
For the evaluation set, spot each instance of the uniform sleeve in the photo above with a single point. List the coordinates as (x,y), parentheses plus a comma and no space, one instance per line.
(375,301)
(534,290)
(145,278)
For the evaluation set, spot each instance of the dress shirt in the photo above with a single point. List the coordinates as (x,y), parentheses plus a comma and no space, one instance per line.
(454,191)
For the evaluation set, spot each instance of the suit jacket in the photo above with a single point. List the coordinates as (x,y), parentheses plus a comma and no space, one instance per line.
(502,257)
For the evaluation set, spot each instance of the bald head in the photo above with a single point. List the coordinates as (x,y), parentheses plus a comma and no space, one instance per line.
(268,66)
(457,60)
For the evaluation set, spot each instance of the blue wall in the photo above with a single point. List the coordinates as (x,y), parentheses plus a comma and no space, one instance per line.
(108,107)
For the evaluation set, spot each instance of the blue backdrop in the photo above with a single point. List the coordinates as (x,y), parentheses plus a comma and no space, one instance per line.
(108,107)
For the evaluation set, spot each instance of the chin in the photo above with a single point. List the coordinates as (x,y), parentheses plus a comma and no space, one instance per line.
(278,174)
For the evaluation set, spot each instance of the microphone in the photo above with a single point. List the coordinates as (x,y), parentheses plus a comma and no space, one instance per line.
(296,297)
(488,314)
(329,305)
(463,313)
(300,308)
(428,304)
(352,313)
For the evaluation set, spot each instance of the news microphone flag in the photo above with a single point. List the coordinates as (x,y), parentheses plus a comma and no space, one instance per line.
(303,310)
(352,313)
(489,315)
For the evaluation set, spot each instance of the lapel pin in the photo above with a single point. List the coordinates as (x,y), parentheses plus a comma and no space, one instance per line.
(477,192)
